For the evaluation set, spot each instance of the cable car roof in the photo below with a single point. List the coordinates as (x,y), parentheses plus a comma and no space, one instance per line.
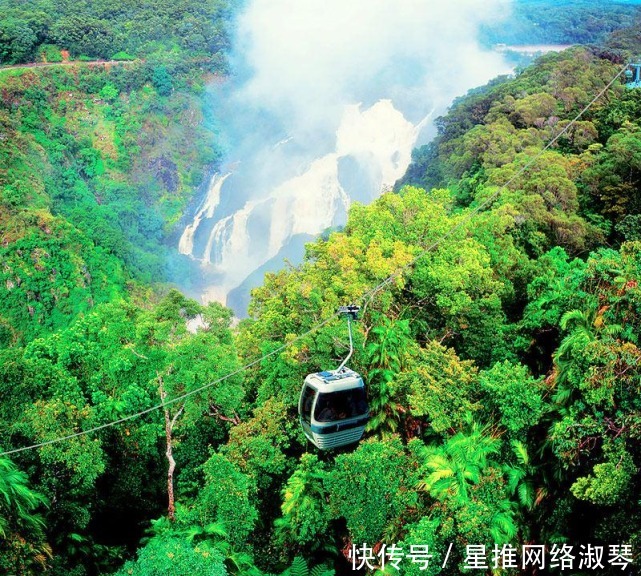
(334,380)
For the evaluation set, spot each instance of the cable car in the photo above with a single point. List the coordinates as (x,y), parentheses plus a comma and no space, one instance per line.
(633,79)
(333,407)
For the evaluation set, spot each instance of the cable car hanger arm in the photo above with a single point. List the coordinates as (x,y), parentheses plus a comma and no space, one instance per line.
(351,311)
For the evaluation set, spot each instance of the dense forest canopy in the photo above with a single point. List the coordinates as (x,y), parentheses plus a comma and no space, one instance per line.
(562,22)
(502,364)
(104,29)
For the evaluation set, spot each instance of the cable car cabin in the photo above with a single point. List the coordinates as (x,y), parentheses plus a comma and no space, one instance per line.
(333,408)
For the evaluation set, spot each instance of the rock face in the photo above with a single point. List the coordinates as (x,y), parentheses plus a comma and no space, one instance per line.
(166,172)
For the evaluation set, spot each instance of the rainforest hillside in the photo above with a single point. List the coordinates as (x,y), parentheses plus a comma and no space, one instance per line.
(120,29)
(562,22)
(499,338)
(97,164)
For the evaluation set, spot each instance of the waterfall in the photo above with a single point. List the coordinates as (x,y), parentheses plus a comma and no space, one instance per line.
(372,150)
(206,210)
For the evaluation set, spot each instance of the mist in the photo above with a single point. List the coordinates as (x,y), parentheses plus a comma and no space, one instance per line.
(325,104)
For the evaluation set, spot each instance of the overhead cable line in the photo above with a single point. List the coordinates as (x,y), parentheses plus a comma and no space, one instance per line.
(368,296)
(471,213)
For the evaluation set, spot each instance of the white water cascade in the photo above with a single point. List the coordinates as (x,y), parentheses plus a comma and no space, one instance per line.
(206,210)
(372,150)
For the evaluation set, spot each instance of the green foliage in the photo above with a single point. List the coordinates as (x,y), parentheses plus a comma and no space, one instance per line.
(562,22)
(227,497)
(17,41)
(614,174)
(305,516)
(50,53)
(389,346)
(103,367)
(172,555)
(520,477)
(50,274)
(609,482)
(18,501)
(425,532)
(109,92)
(161,80)
(515,398)
(516,318)
(122,55)
(83,35)
(453,467)
(299,567)
(366,488)
(259,446)
(440,388)
(464,474)
(22,548)
(97,29)
(495,131)
(86,160)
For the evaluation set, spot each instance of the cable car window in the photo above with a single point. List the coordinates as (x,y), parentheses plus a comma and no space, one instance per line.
(340,405)
(307,403)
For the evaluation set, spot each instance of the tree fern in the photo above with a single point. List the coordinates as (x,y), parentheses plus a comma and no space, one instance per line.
(298,568)
(321,570)
(458,463)
(304,511)
(385,355)
(17,500)
(503,527)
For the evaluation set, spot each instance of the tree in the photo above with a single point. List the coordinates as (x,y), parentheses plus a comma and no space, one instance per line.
(464,474)
(596,376)
(581,335)
(305,516)
(259,444)
(22,545)
(512,396)
(161,80)
(174,555)
(228,496)
(109,92)
(368,488)
(425,532)
(186,363)
(440,389)
(215,535)
(388,347)
(17,41)
(83,35)
(534,109)
(457,464)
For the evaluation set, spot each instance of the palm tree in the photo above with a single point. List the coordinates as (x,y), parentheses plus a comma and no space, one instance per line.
(519,477)
(18,501)
(304,506)
(455,465)
(19,523)
(584,328)
(385,355)
(580,326)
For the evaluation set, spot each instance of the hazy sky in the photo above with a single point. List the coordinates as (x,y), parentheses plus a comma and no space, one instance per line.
(308,57)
